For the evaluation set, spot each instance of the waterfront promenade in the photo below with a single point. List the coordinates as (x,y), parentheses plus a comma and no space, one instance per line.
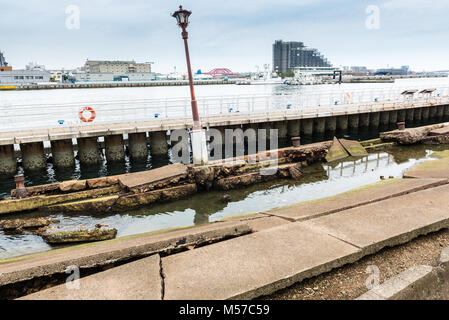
(267,251)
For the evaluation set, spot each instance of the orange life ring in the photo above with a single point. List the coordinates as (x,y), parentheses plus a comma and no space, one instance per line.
(92,114)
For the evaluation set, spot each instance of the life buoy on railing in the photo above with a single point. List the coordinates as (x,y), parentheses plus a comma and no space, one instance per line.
(90,110)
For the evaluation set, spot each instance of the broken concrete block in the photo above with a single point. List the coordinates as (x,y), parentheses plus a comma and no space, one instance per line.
(336,151)
(72,185)
(353,147)
(79,236)
(32,223)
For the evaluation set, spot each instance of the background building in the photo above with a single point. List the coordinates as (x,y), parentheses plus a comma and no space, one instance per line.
(24,76)
(289,55)
(404,70)
(116,67)
(3,64)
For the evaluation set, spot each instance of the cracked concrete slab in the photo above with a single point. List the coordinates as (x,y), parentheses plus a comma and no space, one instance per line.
(259,221)
(357,197)
(429,169)
(389,222)
(138,280)
(254,265)
(117,250)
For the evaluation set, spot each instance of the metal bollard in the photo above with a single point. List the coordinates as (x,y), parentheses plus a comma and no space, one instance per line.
(296,141)
(401,125)
(21,191)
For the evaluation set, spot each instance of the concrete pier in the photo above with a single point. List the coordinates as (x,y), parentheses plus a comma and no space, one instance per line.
(307,127)
(440,112)
(342,123)
(433,112)
(417,116)
(267,126)
(62,153)
(281,126)
(364,120)
(8,162)
(251,137)
(384,118)
(89,151)
(425,113)
(294,128)
(401,115)
(158,143)
(237,134)
(331,124)
(319,126)
(353,121)
(409,115)
(138,146)
(33,156)
(114,148)
(374,119)
(393,116)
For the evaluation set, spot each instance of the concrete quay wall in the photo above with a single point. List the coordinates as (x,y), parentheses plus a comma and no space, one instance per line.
(153,137)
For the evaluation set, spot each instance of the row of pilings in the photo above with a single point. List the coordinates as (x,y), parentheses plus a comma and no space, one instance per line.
(89,151)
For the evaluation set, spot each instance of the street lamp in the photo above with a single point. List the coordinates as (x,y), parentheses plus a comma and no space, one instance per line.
(198,135)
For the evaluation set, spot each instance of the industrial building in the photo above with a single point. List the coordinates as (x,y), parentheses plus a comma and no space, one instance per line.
(31,75)
(116,67)
(289,55)
(24,76)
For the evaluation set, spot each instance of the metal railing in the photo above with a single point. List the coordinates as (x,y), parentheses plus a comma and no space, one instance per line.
(321,103)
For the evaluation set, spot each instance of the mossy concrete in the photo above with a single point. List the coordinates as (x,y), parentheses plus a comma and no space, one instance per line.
(336,151)
(32,203)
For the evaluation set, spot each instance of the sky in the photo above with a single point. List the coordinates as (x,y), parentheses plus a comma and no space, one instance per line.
(234,34)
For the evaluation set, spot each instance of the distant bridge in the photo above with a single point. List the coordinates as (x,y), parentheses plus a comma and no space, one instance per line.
(221,72)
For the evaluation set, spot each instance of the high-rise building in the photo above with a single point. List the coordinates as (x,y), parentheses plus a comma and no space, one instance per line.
(289,55)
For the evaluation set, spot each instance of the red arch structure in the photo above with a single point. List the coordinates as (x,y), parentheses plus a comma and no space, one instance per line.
(221,72)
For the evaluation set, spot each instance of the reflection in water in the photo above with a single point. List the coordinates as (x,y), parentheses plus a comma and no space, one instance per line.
(320,180)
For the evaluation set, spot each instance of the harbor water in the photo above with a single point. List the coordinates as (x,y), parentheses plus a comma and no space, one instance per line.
(320,180)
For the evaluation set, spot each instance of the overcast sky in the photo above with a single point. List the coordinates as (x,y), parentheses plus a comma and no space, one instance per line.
(236,34)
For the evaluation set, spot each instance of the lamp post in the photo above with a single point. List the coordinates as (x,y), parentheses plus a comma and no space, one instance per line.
(198,135)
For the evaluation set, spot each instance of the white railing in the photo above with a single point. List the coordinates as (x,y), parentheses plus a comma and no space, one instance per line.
(35,116)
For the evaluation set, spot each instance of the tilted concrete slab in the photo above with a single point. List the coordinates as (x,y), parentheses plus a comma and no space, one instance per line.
(429,169)
(353,147)
(336,151)
(389,222)
(357,197)
(439,132)
(254,265)
(138,280)
(117,250)
(258,221)
(143,178)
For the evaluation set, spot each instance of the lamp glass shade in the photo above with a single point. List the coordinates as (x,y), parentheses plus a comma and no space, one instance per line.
(182,17)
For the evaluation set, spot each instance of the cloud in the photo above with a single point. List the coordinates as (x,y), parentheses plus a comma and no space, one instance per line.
(235,34)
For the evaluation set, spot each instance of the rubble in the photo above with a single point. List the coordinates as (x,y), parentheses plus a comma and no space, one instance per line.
(79,236)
